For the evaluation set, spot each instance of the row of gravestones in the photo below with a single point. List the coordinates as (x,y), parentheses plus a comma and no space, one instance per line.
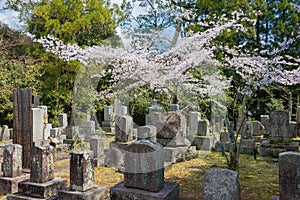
(277,127)
(143,176)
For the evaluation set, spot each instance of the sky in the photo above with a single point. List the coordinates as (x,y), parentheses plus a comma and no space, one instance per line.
(9,17)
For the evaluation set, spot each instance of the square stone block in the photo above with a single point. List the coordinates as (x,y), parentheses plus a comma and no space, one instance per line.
(9,185)
(174,154)
(205,143)
(42,190)
(170,191)
(98,192)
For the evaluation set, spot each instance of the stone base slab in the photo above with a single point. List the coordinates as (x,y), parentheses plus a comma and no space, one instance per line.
(179,154)
(98,192)
(170,191)
(205,143)
(9,185)
(273,150)
(42,190)
(18,196)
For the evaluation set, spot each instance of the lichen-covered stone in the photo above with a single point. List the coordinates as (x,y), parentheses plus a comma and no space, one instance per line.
(81,170)
(42,164)
(12,160)
(289,176)
(221,184)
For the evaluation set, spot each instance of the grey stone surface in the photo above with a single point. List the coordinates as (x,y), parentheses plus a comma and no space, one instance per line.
(9,185)
(246,146)
(173,126)
(279,126)
(123,128)
(144,165)
(5,134)
(108,113)
(63,120)
(298,115)
(170,191)
(247,130)
(203,127)
(12,160)
(45,113)
(289,176)
(95,193)
(81,171)
(42,164)
(194,117)
(146,132)
(37,124)
(293,128)
(264,119)
(258,128)
(204,142)
(42,190)
(123,111)
(273,150)
(221,184)
(97,146)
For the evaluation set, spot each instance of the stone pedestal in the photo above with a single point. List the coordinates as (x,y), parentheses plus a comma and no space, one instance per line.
(42,190)
(9,185)
(247,146)
(98,192)
(82,179)
(97,146)
(205,143)
(42,183)
(144,174)
(170,191)
(273,150)
(12,169)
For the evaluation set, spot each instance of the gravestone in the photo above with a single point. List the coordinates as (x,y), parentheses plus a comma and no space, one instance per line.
(204,140)
(279,135)
(146,133)
(123,110)
(247,146)
(123,137)
(289,176)
(194,118)
(97,146)
(63,120)
(82,185)
(47,129)
(247,130)
(264,119)
(42,183)
(108,118)
(221,184)
(258,128)
(279,126)
(144,174)
(171,133)
(55,133)
(5,134)
(117,106)
(37,124)
(72,132)
(12,169)
(45,113)
(22,124)
(123,128)
(293,127)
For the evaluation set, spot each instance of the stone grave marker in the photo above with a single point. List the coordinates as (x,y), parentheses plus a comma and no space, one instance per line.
(123,128)
(82,185)
(221,184)
(289,176)
(108,118)
(258,128)
(144,174)
(97,146)
(63,120)
(5,134)
(22,125)
(37,124)
(42,183)
(264,119)
(146,133)
(279,126)
(12,169)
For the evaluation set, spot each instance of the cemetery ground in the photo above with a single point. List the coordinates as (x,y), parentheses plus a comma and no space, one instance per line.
(259,178)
